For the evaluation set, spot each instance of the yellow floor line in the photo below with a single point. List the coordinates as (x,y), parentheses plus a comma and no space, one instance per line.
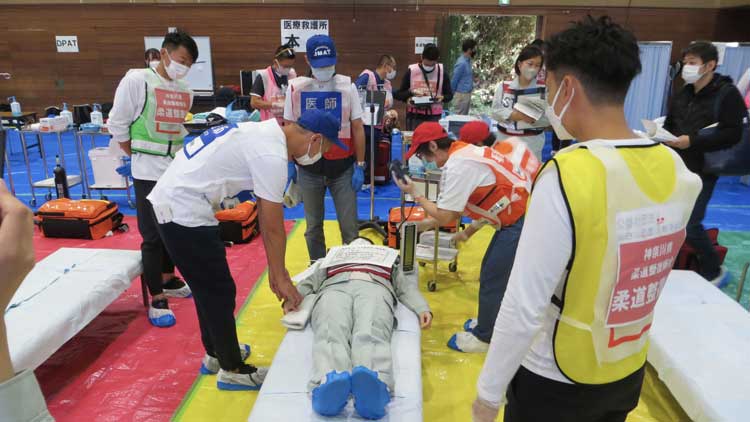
(449,378)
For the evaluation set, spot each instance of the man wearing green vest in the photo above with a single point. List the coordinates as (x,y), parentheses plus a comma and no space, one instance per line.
(146,119)
(605,222)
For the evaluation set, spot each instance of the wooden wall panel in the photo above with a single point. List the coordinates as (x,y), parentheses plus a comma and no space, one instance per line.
(244,37)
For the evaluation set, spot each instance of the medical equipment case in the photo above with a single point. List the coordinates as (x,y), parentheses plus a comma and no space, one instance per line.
(238,224)
(79,219)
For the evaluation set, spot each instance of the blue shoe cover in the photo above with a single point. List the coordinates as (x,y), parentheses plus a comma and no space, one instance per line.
(163,321)
(452,344)
(330,398)
(370,394)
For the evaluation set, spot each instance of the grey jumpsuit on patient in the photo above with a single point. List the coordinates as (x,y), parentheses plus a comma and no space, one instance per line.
(353,319)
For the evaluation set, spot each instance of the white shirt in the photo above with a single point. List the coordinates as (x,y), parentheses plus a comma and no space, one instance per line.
(356,111)
(130,99)
(502,105)
(526,321)
(459,178)
(219,164)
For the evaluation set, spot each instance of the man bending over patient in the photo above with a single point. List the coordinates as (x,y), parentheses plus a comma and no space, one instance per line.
(353,320)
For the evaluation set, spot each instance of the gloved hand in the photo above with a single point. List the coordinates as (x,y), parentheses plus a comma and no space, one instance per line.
(125,169)
(358,178)
(291,172)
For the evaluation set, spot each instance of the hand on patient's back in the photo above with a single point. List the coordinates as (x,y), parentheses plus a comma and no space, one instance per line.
(16,238)
(425,320)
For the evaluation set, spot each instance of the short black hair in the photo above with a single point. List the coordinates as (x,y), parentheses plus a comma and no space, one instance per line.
(173,40)
(489,140)
(703,49)
(468,44)
(151,52)
(284,52)
(431,52)
(442,143)
(528,52)
(386,59)
(602,54)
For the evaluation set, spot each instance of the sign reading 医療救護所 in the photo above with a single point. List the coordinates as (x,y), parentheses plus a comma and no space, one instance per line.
(296,32)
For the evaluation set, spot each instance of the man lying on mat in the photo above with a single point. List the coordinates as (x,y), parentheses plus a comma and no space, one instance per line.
(357,288)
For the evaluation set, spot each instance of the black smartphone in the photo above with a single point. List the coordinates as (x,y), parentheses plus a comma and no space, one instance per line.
(397,170)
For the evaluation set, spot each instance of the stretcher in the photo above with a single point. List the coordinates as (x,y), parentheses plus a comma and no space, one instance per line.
(700,343)
(284,395)
(61,295)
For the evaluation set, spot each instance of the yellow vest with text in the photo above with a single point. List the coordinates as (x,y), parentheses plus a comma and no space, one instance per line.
(618,198)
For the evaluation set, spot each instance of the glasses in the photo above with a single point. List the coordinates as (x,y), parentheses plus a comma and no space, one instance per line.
(286,53)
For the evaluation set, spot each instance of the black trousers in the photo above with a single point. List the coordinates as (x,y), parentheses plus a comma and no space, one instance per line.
(413,120)
(532,398)
(155,258)
(200,255)
(708,259)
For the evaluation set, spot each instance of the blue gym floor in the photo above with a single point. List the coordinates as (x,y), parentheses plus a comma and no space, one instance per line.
(729,209)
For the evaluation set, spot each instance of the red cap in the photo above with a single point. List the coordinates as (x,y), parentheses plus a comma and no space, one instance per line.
(426,132)
(474,132)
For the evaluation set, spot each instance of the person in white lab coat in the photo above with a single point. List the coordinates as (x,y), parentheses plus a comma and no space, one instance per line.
(512,122)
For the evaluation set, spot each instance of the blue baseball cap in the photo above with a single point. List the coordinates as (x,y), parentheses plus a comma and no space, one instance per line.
(321,52)
(324,123)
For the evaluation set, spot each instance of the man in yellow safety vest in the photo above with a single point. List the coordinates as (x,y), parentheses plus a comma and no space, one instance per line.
(605,221)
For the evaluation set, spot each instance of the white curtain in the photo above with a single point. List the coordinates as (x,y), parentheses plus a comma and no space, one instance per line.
(736,62)
(647,93)
(736,65)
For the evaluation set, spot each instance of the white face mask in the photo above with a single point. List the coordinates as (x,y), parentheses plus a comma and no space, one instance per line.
(281,70)
(555,120)
(307,160)
(691,73)
(530,72)
(391,75)
(153,64)
(175,70)
(428,69)
(324,74)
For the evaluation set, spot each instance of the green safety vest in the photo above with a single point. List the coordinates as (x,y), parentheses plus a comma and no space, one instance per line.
(158,130)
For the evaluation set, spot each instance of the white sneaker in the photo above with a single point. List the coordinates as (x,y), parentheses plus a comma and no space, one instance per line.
(210,364)
(249,378)
(467,343)
(723,278)
(182,292)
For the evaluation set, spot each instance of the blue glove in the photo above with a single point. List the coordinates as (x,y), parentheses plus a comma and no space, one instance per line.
(125,169)
(358,178)
(291,172)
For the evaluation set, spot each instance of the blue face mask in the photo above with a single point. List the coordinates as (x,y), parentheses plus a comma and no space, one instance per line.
(429,165)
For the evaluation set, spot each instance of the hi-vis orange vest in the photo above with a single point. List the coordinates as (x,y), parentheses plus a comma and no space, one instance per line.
(514,167)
